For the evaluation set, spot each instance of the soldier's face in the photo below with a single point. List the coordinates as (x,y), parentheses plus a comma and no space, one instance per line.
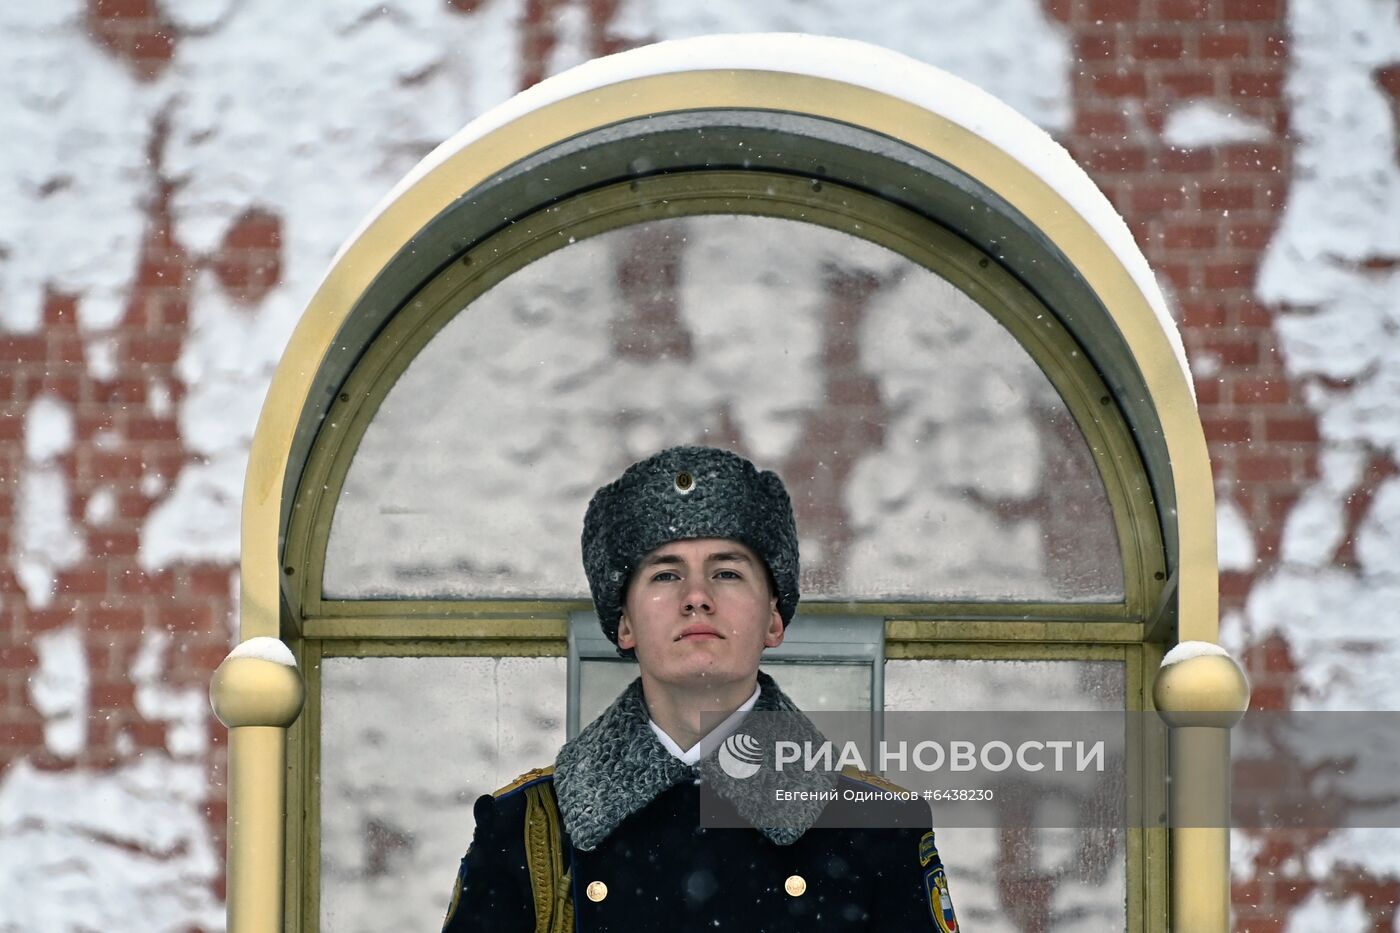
(700,611)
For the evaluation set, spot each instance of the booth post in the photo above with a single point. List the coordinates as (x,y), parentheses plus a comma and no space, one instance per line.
(1200,693)
(257,692)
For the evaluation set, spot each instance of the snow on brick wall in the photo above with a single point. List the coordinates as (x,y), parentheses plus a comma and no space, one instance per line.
(188,168)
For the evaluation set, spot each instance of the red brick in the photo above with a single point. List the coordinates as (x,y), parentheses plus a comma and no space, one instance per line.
(254,230)
(142,428)
(156,46)
(1202,314)
(1260,391)
(187,617)
(1248,236)
(1264,468)
(81,580)
(1227,197)
(171,311)
(1256,84)
(1181,275)
(64,348)
(117,618)
(41,620)
(112,465)
(22,734)
(19,657)
(1223,45)
(1190,236)
(208,581)
(1233,351)
(1226,430)
(104,543)
(15,348)
(207,657)
(1229,274)
(162,271)
(1252,314)
(1388,79)
(63,381)
(1115,84)
(1113,11)
(1159,46)
(1100,122)
(1151,197)
(138,582)
(1059,9)
(121,391)
(1097,47)
(121,9)
(146,734)
(1183,9)
(107,694)
(1301,430)
(1253,10)
(143,348)
(1184,84)
(1184,161)
(1117,159)
(1276,45)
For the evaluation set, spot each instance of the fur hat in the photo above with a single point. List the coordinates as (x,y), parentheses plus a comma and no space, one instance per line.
(678,494)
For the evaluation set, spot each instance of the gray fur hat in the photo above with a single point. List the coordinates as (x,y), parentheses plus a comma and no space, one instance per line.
(682,493)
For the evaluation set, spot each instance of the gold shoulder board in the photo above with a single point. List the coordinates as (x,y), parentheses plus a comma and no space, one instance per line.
(532,775)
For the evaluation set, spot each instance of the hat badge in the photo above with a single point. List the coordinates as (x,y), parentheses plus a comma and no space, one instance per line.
(685,482)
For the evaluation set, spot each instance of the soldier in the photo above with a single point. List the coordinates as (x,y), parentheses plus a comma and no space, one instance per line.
(691,557)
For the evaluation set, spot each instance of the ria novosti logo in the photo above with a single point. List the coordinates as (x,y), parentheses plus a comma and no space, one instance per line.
(740,756)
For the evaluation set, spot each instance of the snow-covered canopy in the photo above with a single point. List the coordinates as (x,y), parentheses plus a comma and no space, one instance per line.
(851,62)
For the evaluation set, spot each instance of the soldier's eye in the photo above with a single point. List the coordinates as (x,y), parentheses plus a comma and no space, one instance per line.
(727,575)
(665,576)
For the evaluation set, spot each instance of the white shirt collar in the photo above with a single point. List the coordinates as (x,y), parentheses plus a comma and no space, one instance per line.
(715,736)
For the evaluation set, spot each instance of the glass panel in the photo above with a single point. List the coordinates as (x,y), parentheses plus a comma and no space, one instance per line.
(407,745)
(1010,880)
(927,454)
(812,686)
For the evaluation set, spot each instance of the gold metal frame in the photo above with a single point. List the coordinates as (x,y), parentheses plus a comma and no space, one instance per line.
(1190,597)
(750,193)
(1130,311)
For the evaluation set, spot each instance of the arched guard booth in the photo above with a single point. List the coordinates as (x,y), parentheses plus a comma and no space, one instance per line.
(848,265)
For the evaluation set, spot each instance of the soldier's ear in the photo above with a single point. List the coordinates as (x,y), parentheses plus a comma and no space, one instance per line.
(626,638)
(773,636)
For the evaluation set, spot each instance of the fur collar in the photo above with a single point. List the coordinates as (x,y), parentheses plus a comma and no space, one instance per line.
(616,766)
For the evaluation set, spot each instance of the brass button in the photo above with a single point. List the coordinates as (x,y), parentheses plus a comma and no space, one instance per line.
(684,481)
(597,891)
(795,885)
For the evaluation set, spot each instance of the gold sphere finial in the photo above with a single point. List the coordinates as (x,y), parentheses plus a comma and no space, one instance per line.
(1200,684)
(258,684)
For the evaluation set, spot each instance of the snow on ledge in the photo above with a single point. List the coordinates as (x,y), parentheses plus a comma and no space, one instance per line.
(850,62)
(265,648)
(1186,651)
(1200,123)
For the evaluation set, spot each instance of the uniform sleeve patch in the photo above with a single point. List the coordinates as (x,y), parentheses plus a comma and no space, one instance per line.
(940,902)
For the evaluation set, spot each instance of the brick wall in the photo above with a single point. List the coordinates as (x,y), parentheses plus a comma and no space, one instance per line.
(1203,215)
